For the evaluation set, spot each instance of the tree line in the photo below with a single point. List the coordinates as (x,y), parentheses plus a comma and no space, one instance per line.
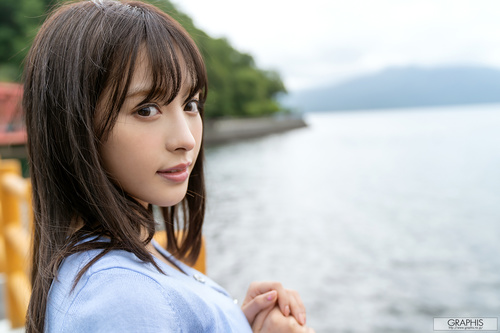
(237,87)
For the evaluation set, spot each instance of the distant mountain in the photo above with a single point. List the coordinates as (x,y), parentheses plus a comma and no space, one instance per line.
(404,87)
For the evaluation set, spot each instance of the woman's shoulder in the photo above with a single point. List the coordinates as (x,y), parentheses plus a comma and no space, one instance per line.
(115,262)
(118,290)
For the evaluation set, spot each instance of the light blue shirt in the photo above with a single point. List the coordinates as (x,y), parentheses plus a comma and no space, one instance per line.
(120,293)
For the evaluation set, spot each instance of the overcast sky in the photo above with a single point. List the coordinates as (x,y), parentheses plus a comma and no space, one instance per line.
(316,42)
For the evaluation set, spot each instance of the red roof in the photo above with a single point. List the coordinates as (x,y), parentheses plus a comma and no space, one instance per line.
(12,130)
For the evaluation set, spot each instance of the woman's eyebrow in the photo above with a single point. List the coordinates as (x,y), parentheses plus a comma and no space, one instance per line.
(189,95)
(143,90)
(140,90)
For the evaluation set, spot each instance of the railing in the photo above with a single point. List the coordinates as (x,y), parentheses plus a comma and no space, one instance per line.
(14,190)
(15,206)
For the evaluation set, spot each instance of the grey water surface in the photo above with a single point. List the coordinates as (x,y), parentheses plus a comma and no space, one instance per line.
(382,220)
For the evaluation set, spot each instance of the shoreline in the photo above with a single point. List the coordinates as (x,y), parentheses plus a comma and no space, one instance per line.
(227,130)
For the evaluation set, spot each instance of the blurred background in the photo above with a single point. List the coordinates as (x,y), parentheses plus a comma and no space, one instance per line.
(381,205)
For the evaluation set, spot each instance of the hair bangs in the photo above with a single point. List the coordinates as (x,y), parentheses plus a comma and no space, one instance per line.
(174,60)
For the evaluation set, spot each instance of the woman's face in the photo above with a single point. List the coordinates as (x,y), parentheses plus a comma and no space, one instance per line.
(152,148)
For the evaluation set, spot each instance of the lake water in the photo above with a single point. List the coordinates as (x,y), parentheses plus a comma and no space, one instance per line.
(382,220)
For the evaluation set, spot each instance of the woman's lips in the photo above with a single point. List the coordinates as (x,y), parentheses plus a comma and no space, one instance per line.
(176,174)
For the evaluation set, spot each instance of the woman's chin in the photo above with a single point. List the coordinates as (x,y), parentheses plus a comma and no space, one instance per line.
(172,200)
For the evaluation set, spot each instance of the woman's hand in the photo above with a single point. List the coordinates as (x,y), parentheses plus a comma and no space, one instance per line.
(272,321)
(262,296)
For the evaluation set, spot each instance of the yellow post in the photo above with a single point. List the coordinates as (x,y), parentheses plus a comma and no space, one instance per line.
(16,240)
(200,265)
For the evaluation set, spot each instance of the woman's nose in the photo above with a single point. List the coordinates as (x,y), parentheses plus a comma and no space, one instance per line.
(180,136)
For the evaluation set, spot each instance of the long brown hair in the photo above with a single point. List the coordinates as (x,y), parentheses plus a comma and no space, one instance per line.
(81,50)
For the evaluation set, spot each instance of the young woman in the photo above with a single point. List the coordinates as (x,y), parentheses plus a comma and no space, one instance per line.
(114,96)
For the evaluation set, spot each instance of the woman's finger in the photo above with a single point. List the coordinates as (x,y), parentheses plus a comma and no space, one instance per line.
(257,288)
(289,301)
(257,304)
(297,308)
(273,321)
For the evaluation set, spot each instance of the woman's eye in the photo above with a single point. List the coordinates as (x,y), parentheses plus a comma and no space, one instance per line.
(148,111)
(192,106)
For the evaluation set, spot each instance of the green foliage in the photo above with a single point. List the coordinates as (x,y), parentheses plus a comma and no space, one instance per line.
(19,21)
(237,88)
